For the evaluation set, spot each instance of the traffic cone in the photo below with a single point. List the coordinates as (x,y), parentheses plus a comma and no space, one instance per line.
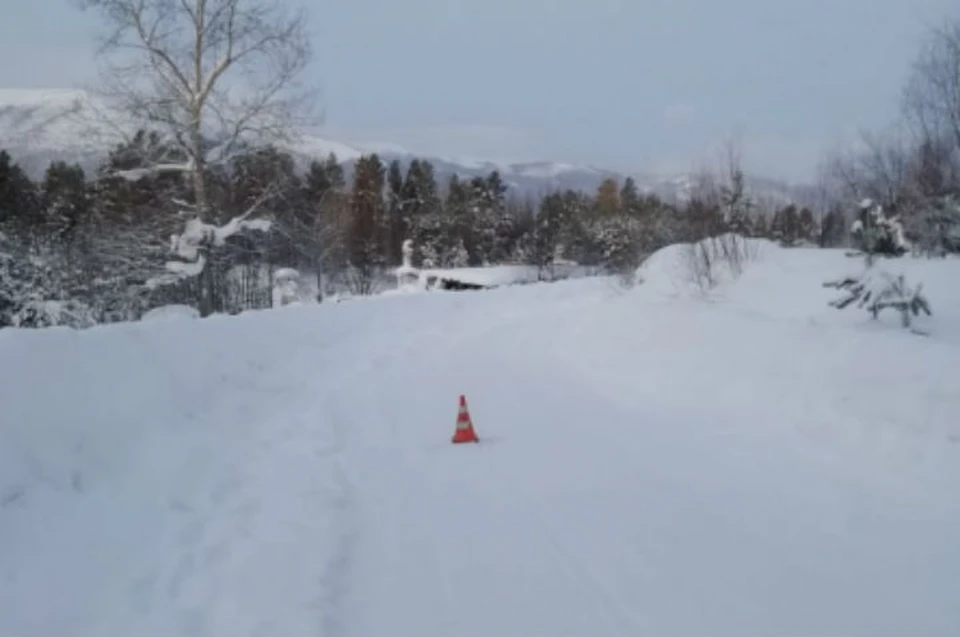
(464,432)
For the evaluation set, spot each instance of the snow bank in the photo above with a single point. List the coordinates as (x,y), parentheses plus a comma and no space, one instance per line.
(703,268)
(500,275)
(170,312)
(774,464)
(129,483)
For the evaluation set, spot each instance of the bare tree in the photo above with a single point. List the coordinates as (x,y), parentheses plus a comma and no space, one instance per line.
(931,104)
(878,169)
(931,97)
(720,207)
(216,77)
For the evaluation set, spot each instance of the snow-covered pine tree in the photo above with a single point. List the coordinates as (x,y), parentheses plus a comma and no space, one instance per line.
(619,241)
(935,229)
(875,233)
(38,274)
(422,214)
(487,206)
(876,289)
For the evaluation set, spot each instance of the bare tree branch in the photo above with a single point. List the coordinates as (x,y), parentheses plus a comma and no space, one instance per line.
(214,75)
(931,97)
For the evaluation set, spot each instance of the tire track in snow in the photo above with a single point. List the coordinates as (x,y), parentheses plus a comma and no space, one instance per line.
(355,432)
(406,475)
(335,577)
(240,510)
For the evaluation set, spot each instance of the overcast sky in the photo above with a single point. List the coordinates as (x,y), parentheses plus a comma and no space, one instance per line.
(647,85)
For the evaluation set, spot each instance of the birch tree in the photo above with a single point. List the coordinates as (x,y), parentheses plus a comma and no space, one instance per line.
(217,77)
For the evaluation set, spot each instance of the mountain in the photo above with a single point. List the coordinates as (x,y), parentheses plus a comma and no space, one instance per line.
(38,126)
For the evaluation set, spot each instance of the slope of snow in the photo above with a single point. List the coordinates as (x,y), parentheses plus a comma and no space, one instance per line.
(650,463)
(46,120)
(319,148)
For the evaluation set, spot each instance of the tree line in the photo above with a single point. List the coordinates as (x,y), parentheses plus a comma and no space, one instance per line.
(911,170)
(202,205)
(100,243)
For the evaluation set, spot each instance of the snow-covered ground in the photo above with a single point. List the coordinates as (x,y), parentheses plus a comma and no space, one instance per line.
(651,462)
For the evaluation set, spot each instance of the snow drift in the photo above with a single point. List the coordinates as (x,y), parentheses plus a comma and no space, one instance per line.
(753,462)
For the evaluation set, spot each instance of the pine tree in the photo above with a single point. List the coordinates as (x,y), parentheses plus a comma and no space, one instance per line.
(18,195)
(935,228)
(446,231)
(487,214)
(397,226)
(875,289)
(608,199)
(833,232)
(544,246)
(327,222)
(785,226)
(367,229)
(423,217)
(133,223)
(760,227)
(323,176)
(630,197)
(736,203)
(806,226)
(65,200)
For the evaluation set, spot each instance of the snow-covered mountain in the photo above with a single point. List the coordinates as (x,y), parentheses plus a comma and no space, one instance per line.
(38,126)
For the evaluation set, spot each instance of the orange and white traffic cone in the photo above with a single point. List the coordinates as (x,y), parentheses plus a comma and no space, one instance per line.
(464,432)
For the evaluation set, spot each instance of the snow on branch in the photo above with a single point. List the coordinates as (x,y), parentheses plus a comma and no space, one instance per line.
(137,174)
(198,237)
(877,290)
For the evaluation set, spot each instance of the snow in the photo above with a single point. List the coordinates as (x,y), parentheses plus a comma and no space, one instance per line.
(756,462)
(287,287)
(319,148)
(51,119)
(495,275)
(36,313)
(171,312)
(196,235)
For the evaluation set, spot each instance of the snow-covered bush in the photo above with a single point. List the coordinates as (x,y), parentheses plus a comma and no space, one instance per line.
(67,313)
(40,286)
(618,242)
(935,229)
(876,290)
(710,260)
(286,286)
(877,234)
(171,312)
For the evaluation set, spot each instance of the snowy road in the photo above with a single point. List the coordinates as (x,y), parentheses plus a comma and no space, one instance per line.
(584,512)
(642,470)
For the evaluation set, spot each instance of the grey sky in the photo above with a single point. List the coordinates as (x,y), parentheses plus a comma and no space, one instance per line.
(650,85)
